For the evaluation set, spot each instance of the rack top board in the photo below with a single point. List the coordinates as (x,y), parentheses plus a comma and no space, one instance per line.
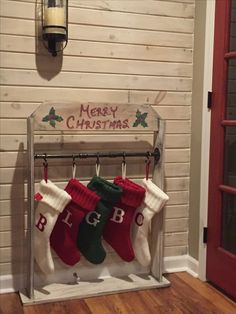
(56,116)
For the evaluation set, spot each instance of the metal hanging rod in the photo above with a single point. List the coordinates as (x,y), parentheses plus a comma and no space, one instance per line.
(156,154)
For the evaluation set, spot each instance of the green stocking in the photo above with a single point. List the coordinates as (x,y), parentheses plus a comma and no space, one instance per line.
(89,239)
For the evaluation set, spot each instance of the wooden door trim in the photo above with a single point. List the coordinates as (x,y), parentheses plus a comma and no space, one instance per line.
(227,189)
(205,139)
(228,123)
(216,186)
(230,55)
(217,116)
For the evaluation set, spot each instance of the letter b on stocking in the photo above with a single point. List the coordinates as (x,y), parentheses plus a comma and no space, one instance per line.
(118,215)
(41,223)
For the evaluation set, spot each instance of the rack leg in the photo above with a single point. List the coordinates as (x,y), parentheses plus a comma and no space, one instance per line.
(157,241)
(30,269)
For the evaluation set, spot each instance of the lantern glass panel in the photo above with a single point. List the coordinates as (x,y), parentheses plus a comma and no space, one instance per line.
(55,18)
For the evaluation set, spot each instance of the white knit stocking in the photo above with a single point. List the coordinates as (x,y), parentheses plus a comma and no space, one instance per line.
(153,202)
(51,202)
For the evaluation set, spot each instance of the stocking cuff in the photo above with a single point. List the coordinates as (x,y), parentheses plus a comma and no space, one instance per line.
(133,194)
(155,198)
(53,196)
(107,191)
(81,195)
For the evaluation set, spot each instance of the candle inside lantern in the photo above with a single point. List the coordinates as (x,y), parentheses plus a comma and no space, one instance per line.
(54,24)
(55,17)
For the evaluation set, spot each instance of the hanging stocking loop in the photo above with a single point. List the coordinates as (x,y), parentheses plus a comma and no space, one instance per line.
(97,166)
(73,167)
(45,168)
(123,167)
(147,161)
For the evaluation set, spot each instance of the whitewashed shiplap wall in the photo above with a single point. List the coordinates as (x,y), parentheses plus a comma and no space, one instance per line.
(129,51)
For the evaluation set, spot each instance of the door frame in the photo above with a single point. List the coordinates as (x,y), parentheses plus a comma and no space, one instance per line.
(205,140)
(222,272)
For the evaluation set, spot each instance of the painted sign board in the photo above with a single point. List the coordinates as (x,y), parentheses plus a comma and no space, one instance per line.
(87,117)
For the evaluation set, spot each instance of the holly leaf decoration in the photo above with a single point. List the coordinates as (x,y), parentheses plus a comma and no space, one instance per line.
(58,118)
(52,118)
(138,113)
(140,119)
(52,112)
(52,123)
(46,118)
(144,124)
(136,123)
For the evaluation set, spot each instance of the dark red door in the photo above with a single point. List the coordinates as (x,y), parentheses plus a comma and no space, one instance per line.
(221,244)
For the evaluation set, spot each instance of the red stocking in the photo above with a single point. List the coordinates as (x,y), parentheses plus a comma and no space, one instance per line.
(64,235)
(117,230)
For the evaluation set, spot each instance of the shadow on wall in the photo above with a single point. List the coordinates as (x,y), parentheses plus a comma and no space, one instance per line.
(18,211)
(47,66)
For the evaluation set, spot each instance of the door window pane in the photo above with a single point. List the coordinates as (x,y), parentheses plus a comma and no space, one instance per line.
(233,27)
(230,156)
(231,95)
(229,223)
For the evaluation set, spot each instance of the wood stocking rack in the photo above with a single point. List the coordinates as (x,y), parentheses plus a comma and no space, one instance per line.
(81,119)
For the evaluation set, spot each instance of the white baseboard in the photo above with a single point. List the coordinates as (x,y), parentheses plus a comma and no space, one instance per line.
(172,264)
(12,283)
(193,266)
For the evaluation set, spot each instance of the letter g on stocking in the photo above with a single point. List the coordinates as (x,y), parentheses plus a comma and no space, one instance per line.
(92,218)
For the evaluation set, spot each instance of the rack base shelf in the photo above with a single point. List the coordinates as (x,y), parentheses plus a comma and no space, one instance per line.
(85,289)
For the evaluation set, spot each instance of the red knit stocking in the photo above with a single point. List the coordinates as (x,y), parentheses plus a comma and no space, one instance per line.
(64,235)
(117,230)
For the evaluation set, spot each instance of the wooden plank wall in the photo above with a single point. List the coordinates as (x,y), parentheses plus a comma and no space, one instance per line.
(129,51)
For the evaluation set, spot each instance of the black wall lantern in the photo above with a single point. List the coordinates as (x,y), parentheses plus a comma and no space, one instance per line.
(55,25)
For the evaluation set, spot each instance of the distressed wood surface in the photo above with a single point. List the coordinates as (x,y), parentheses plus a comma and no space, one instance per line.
(15,95)
(85,48)
(19,126)
(19,175)
(105,18)
(19,159)
(87,80)
(108,286)
(184,9)
(171,184)
(94,117)
(136,35)
(19,142)
(16,60)
(118,51)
